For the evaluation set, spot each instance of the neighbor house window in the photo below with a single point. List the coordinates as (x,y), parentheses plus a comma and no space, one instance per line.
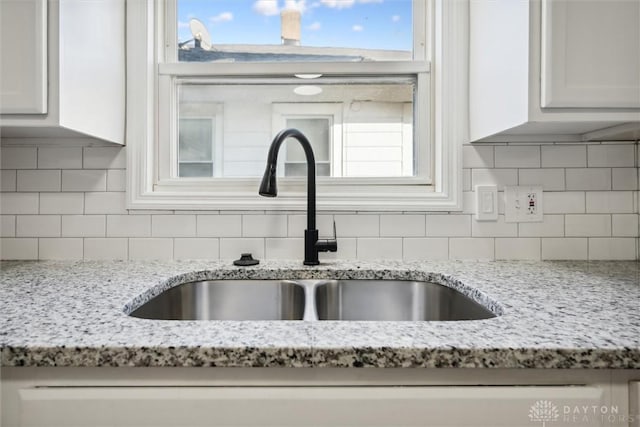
(354,76)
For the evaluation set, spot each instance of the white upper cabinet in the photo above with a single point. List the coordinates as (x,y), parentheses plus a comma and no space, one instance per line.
(558,70)
(591,54)
(23,68)
(63,69)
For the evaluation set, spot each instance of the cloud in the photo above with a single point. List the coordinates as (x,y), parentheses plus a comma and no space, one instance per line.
(222,17)
(357,28)
(266,7)
(271,7)
(314,27)
(344,4)
(395,18)
(338,4)
(182,24)
(299,5)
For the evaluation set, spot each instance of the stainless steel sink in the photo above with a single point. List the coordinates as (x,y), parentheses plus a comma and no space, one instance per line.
(394,300)
(311,300)
(227,300)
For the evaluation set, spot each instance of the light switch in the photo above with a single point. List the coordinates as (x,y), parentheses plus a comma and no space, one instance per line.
(486,203)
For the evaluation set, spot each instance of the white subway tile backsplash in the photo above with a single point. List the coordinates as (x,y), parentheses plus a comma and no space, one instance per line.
(358,225)
(104,203)
(284,248)
(38,180)
(189,248)
(498,228)
(564,202)
(264,225)
(517,156)
(61,203)
(83,226)
(150,248)
(38,226)
(425,248)
(219,225)
(298,223)
(106,249)
(551,226)
(592,179)
(625,178)
(60,157)
(8,180)
(116,180)
(477,156)
(84,180)
(610,202)
(499,177)
(448,225)
(612,248)
(402,225)
(104,158)
(472,248)
(564,156)
(466,180)
(19,203)
(51,208)
(587,225)
(7,226)
(18,249)
(347,249)
(128,225)
(61,248)
(173,225)
(18,157)
(379,248)
(611,155)
(569,248)
(231,248)
(624,225)
(549,179)
(518,249)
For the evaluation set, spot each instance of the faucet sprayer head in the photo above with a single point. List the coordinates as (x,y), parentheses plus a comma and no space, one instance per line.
(268,186)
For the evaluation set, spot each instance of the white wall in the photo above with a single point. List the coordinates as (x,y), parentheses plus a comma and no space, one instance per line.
(69,202)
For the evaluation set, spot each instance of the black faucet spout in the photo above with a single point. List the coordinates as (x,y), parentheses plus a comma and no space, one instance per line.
(268,188)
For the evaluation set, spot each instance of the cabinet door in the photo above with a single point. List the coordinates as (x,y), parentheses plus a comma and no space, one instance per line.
(634,403)
(590,54)
(306,406)
(23,61)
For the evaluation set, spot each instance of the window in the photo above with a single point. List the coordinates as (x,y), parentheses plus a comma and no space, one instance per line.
(229,75)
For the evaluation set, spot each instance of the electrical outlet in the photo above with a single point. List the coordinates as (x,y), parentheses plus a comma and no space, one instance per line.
(523,204)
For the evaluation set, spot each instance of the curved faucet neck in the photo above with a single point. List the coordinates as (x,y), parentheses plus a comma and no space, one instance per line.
(272,161)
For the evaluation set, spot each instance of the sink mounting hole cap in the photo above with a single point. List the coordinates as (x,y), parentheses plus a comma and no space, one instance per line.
(246,260)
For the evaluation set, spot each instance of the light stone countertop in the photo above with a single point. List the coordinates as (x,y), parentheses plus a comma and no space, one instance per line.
(553,315)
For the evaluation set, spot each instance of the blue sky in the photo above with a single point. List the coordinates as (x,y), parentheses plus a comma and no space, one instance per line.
(373,24)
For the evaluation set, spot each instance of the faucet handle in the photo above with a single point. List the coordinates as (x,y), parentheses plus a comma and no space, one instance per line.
(328,245)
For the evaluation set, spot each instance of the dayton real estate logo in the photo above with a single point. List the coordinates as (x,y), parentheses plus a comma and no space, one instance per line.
(544,411)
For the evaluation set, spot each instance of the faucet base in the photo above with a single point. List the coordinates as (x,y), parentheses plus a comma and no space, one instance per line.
(311,262)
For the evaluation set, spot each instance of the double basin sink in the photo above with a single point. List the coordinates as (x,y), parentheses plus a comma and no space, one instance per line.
(378,300)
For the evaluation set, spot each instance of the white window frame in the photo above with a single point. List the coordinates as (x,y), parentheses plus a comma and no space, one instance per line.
(443,112)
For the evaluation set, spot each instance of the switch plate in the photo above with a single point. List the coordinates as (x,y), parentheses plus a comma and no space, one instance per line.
(523,204)
(486,203)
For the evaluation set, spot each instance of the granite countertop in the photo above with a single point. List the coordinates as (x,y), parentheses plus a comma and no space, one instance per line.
(552,315)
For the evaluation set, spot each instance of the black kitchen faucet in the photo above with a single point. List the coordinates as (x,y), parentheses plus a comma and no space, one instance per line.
(268,188)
